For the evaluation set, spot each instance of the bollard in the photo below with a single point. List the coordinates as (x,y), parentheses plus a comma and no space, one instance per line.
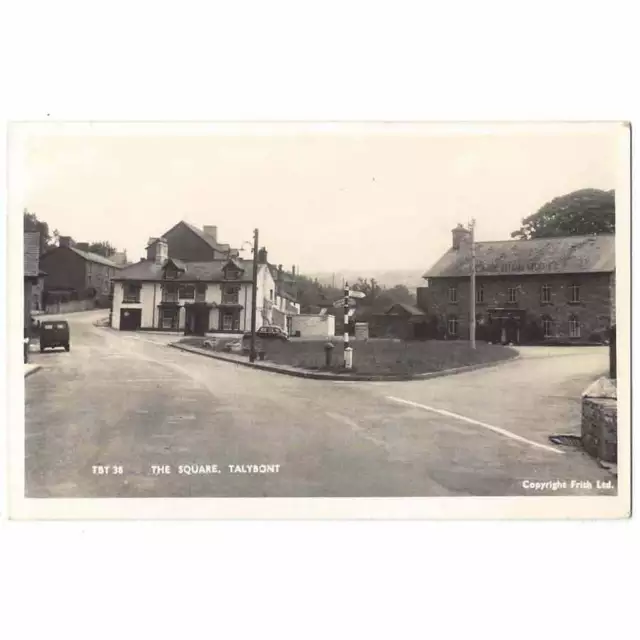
(328,352)
(348,358)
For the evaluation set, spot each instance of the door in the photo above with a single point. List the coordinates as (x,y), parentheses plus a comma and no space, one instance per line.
(130,319)
(200,321)
(227,322)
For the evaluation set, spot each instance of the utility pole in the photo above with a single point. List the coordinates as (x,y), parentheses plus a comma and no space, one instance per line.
(472,310)
(254,297)
(348,351)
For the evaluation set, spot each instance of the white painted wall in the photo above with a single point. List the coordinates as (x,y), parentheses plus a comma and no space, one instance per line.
(313,325)
(149,310)
(146,304)
(213,295)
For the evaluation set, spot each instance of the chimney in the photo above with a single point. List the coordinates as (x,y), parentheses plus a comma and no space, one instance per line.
(162,251)
(293,270)
(66,241)
(459,235)
(151,248)
(157,250)
(279,273)
(262,256)
(211,231)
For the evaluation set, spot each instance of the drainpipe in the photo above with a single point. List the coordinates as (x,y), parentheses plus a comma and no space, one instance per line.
(153,311)
(245,308)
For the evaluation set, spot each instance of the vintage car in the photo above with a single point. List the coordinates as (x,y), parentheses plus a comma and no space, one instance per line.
(54,333)
(268,333)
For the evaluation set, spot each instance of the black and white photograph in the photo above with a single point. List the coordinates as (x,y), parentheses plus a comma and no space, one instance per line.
(418,313)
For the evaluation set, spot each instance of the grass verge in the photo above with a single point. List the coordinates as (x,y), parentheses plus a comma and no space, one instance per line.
(376,356)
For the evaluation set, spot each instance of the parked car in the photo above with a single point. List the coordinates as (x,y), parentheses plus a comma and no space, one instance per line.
(267,333)
(54,333)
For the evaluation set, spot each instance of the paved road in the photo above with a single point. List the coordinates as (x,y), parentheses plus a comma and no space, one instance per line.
(128,400)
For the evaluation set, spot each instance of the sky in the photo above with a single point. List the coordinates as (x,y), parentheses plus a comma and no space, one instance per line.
(324,199)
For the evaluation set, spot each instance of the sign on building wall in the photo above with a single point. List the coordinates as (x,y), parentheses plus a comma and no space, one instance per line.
(532,266)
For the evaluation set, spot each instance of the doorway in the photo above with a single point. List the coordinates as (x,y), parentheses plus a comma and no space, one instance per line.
(130,319)
(196,320)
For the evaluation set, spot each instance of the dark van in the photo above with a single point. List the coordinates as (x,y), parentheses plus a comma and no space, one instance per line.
(54,333)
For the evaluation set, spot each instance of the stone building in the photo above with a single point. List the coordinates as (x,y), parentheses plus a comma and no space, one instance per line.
(74,274)
(542,290)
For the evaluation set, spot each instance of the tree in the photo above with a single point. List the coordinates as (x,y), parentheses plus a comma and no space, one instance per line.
(31,223)
(400,294)
(104,248)
(583,212)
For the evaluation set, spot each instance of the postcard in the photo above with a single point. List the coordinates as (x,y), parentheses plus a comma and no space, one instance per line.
(319,320)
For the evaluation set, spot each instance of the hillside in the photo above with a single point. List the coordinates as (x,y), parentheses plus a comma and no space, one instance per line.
(410,278)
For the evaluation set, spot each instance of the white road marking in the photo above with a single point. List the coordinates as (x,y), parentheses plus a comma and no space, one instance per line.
(356,427)
(478,423)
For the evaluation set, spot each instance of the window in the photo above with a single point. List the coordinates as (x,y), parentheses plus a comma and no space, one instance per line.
(574,327)
(231,274)
(170,293)
(231,295)
(131,292)
(187,292)
(270,294)
(453,295)
(201,291)
(512,294)
(452,326)
(547,326)
(480,294)
(545,294)
(169,317)
(574,293)
(170,273)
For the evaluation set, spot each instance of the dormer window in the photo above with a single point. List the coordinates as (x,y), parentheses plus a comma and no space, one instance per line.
(170,273)
(231,274)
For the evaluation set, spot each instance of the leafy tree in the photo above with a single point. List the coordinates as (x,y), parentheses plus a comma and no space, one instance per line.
(31,223)
(104,248)
(583,212)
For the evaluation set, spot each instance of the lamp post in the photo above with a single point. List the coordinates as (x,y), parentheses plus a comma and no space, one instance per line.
(472,288)
(254,297)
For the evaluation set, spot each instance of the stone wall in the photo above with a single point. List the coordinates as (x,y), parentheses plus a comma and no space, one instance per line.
(70,307)
(600,428)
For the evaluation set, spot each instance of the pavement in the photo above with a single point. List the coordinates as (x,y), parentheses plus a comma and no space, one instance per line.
(31,368)
(124,415)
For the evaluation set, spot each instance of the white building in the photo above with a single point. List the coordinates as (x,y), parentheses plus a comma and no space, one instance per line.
(162,293)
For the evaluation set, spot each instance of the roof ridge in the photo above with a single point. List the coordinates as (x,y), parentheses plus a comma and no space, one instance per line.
(592,235)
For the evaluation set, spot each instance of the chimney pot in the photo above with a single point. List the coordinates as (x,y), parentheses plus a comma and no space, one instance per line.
(459,236)
(66,241)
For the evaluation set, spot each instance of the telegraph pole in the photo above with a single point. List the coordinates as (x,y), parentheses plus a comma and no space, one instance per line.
(348,351)
(254,297)
(472,310)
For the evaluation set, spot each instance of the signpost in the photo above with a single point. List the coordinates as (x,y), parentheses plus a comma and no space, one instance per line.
(472,292)
(348,304)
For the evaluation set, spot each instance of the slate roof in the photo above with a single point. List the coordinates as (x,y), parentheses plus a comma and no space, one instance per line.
(285,294)
(211,271)
(575,254)
(409,308)
(208,239)
(31,254)
(94,257)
